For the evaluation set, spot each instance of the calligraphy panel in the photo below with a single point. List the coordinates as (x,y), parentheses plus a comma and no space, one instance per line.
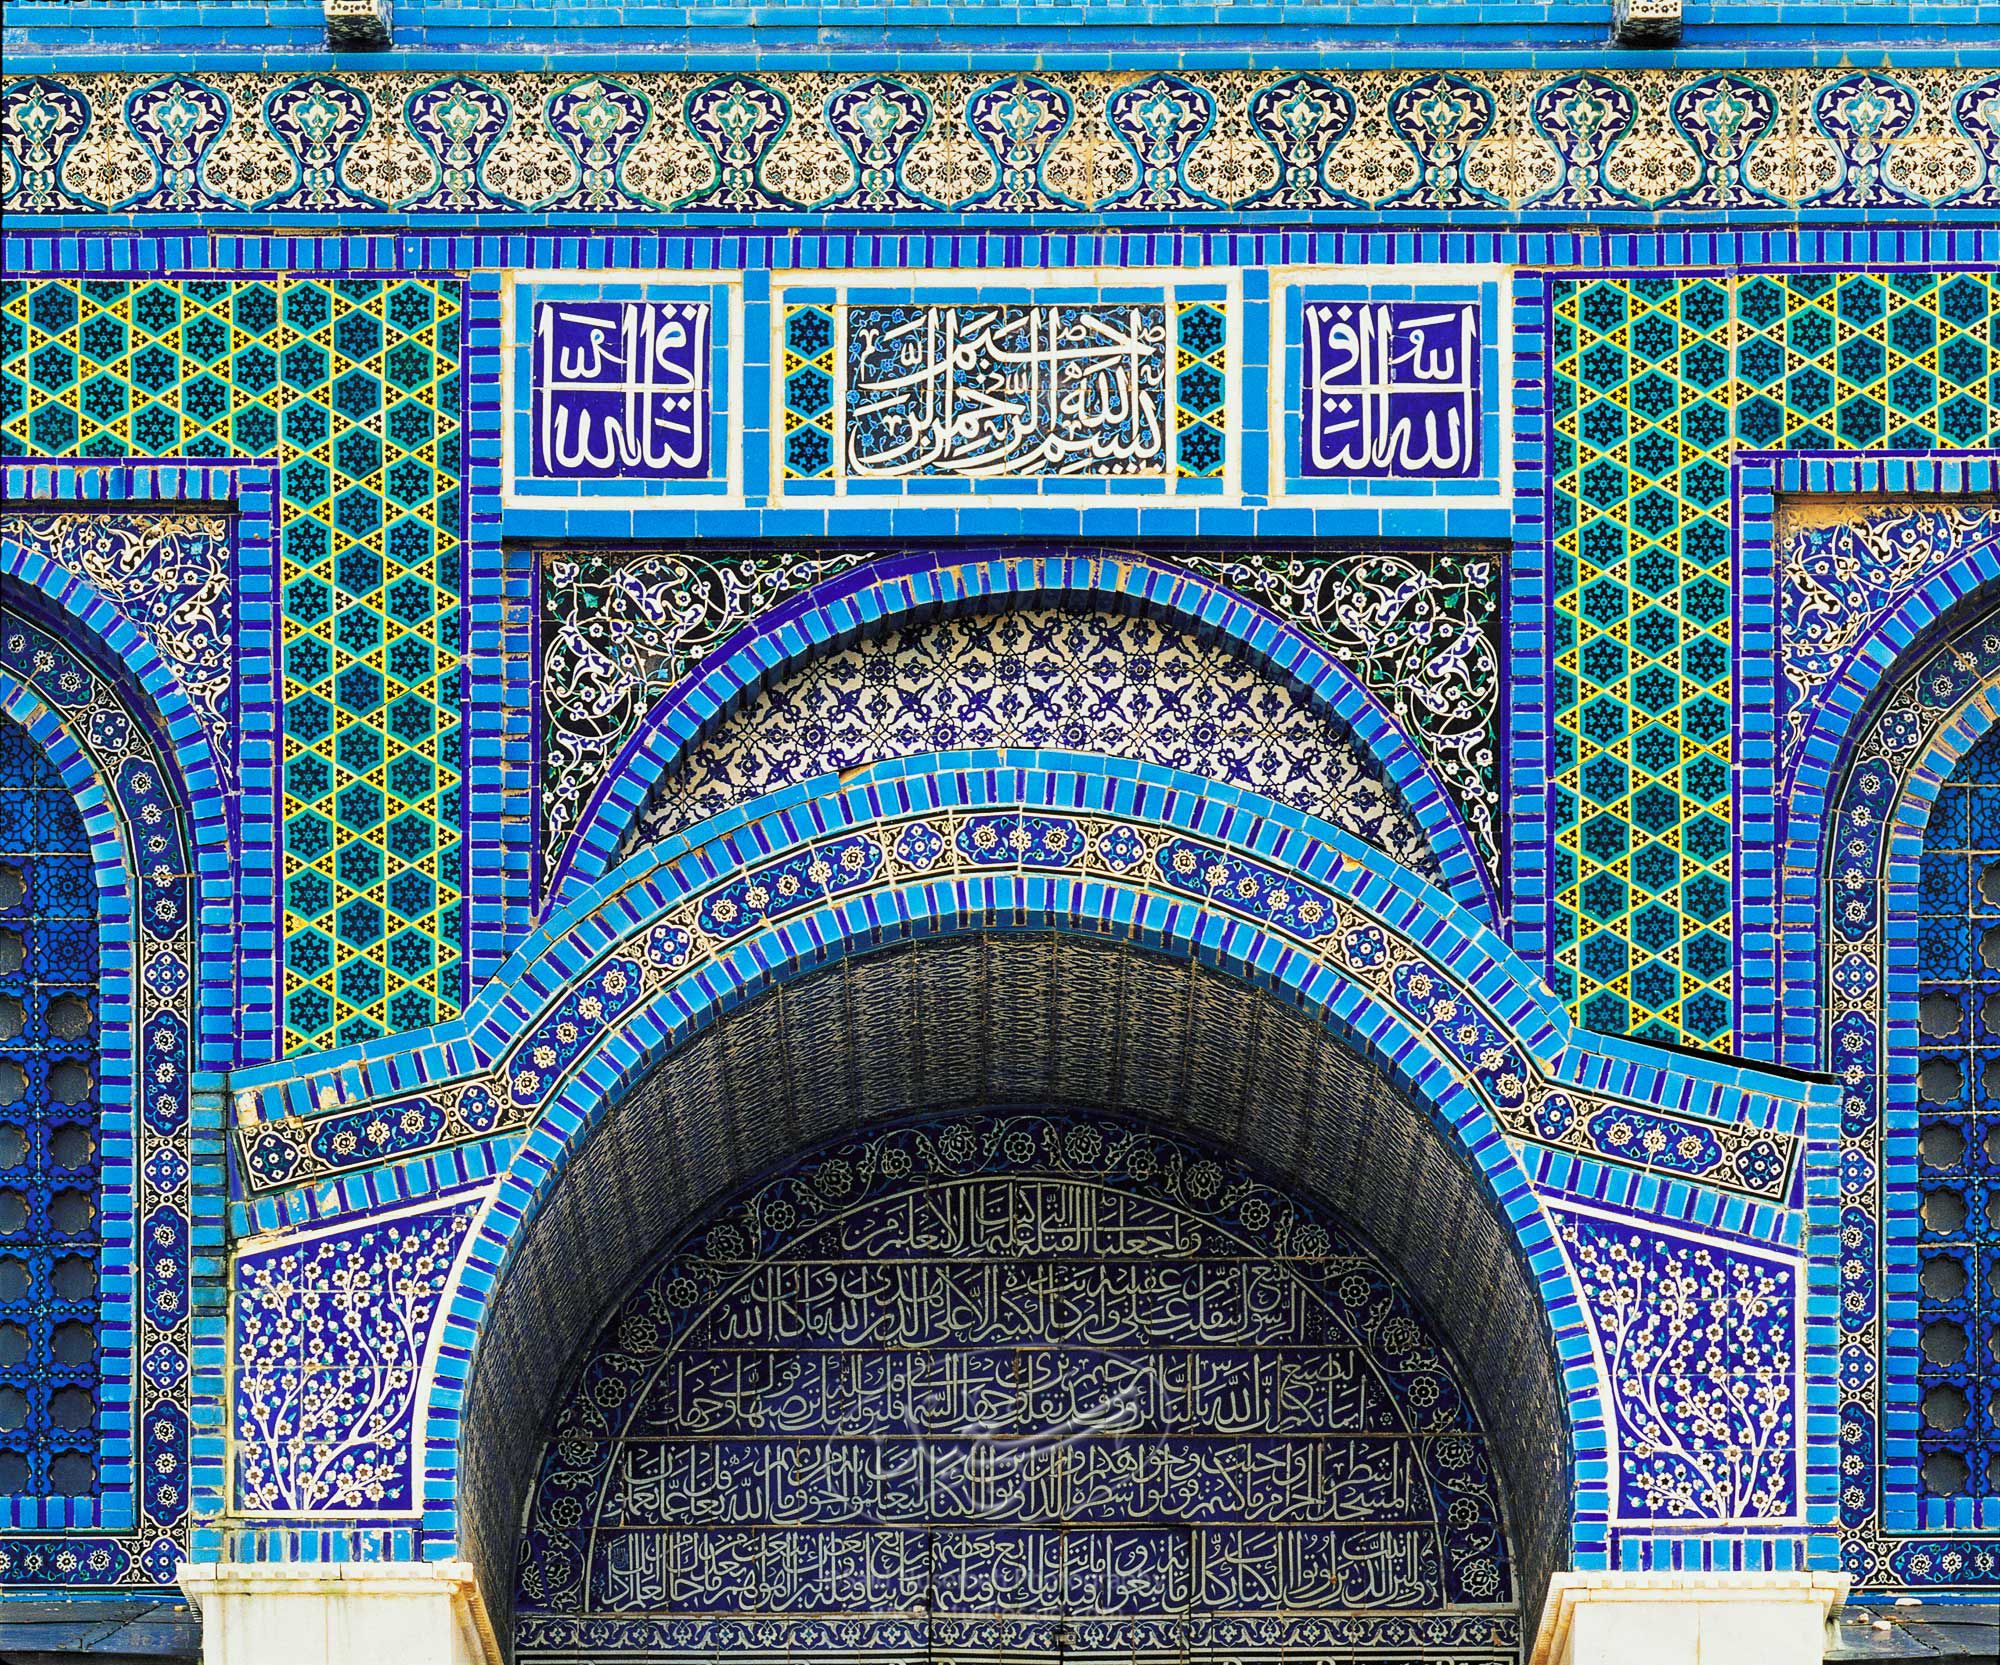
(1390,389)
(973,1384)
(1032,389)
(619,389)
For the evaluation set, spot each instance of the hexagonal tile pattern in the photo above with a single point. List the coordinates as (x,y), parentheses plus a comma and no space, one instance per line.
(353,385)
(1651,375)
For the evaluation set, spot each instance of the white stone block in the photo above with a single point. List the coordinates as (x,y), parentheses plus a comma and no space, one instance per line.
(1687,1618)
(342,1613)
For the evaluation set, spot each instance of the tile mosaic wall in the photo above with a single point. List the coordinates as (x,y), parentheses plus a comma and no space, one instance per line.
(1479,142)
(353,386)
(1657,382)
(1686,674)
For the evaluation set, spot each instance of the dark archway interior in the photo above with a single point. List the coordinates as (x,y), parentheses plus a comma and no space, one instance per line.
(1016,1019)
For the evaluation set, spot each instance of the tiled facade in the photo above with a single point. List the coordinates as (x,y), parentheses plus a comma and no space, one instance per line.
(712,723)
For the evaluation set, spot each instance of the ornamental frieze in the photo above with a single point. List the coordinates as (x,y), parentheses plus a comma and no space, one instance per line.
(976,142)
(714,921)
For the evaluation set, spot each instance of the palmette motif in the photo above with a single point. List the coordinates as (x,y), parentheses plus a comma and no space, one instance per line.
(1480,141)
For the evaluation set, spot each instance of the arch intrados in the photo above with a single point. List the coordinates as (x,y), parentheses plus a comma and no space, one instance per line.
(1022,1018)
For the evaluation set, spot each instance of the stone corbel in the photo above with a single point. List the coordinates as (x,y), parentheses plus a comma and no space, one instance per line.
(340,1613)
(1645,23)
(368,25)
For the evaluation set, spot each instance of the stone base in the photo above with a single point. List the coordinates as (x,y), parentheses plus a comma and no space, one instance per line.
(344,1613)
(1687,1618)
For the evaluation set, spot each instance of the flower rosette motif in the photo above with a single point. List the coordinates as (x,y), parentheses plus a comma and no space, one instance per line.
(575,1026)
(1452,1019)
(1653,1141)
(799,881)
(1246,887)
(373,1134)
(1020,841)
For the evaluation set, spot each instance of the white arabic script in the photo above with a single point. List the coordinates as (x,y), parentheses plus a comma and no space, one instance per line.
(984,391)
(1362,361)
(642,381)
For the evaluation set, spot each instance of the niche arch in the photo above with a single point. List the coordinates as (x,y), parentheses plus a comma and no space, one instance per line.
(104,742)
(1887,962)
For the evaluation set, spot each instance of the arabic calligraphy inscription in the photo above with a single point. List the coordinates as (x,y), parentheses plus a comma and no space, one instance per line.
(990,1370)
(621,390)
(1391,391)
(1016,391)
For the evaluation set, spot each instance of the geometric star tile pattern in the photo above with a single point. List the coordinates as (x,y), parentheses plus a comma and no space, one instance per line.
(1657,381)
(353,386)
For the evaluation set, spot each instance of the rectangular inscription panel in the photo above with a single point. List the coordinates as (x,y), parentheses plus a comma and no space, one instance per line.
(982,392)
(621,390)
(1391,390)
(1025,385)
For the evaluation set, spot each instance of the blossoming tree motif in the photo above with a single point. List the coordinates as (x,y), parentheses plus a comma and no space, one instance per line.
(1700,1345)
(330,1339)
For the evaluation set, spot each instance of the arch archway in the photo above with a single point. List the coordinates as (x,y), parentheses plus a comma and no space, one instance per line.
(1018,1381)
(943,849)
(1904,1002)
(977,1017)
